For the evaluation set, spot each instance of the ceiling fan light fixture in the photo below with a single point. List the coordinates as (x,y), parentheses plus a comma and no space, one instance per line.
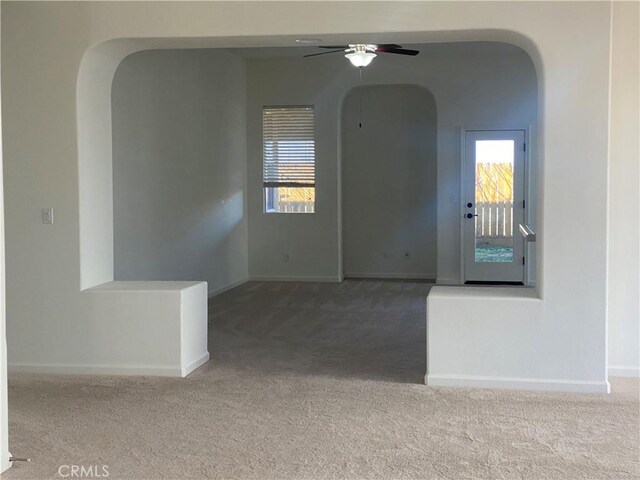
(360,58)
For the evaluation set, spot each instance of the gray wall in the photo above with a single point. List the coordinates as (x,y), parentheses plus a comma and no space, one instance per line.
(477,84)
(179,167)
(187,136)
(389,184)
(624,198)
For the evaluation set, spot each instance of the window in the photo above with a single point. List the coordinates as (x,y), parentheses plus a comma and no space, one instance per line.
(289,159)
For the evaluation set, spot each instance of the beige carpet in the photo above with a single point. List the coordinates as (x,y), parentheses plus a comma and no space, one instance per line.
(318,381)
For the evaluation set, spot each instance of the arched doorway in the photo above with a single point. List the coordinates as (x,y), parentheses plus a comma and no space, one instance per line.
(389,171)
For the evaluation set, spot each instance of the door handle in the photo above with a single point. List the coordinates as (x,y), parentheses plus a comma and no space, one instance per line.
(471,215)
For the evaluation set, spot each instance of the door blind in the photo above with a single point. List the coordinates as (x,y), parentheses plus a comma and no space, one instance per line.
(288,147)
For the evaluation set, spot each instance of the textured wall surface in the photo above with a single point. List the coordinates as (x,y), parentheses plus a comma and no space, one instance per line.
(179,167)
(389,183)
(483,84)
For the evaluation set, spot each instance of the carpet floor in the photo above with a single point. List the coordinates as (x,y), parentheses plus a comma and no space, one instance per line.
(317,381)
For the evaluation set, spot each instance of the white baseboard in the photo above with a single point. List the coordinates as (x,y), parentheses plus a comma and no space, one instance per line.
(623,371)
(293,278)
(66,369)
(393,276)
(511,383)
(4,461)
(198,362)
(220,290)
(136,370)
(447,281)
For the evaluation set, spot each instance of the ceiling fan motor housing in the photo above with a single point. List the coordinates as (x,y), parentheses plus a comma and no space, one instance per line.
(361,55)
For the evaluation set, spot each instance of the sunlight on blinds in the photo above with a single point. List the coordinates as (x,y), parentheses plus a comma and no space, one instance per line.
(289,159)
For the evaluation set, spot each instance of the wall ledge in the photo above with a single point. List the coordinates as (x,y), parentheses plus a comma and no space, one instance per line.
(142,286)
(154,328)
(516,383)
(441,292)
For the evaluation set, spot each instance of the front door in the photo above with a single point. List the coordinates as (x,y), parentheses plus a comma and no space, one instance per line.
(494,206)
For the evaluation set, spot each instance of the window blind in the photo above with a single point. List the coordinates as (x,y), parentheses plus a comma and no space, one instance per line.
(288,147)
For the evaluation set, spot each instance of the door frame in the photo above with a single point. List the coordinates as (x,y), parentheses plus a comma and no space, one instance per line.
(527,188)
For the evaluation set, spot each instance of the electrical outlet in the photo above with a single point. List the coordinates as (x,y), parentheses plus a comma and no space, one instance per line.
(47,216)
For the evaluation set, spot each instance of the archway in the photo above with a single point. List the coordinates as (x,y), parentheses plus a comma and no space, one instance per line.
(389,169)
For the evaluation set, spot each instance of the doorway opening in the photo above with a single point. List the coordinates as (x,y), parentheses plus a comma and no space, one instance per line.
(389,183)
(494,206)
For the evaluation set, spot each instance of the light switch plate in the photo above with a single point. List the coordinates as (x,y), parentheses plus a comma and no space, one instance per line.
(47,216)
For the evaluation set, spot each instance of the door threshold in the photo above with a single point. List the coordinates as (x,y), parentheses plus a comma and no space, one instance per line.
(487,282)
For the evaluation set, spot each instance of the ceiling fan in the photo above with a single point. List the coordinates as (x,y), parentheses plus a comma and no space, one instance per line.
(361,54)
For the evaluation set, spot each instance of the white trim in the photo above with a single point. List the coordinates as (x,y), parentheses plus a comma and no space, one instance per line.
(607,229)
(226,288)
(4,461)
(528,138)
(529,194)
(198,362)
(65,369)
(135,370)
(397,276)
(448,281)
(293,278)
(623,371)
(461,199)
(516,383)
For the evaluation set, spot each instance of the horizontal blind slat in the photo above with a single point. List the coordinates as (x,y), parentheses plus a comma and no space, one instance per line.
(288,146)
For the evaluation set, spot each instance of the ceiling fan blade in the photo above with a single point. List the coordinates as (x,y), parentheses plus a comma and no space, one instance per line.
(322,53)
(399,51)
(388,45)
(333,46)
